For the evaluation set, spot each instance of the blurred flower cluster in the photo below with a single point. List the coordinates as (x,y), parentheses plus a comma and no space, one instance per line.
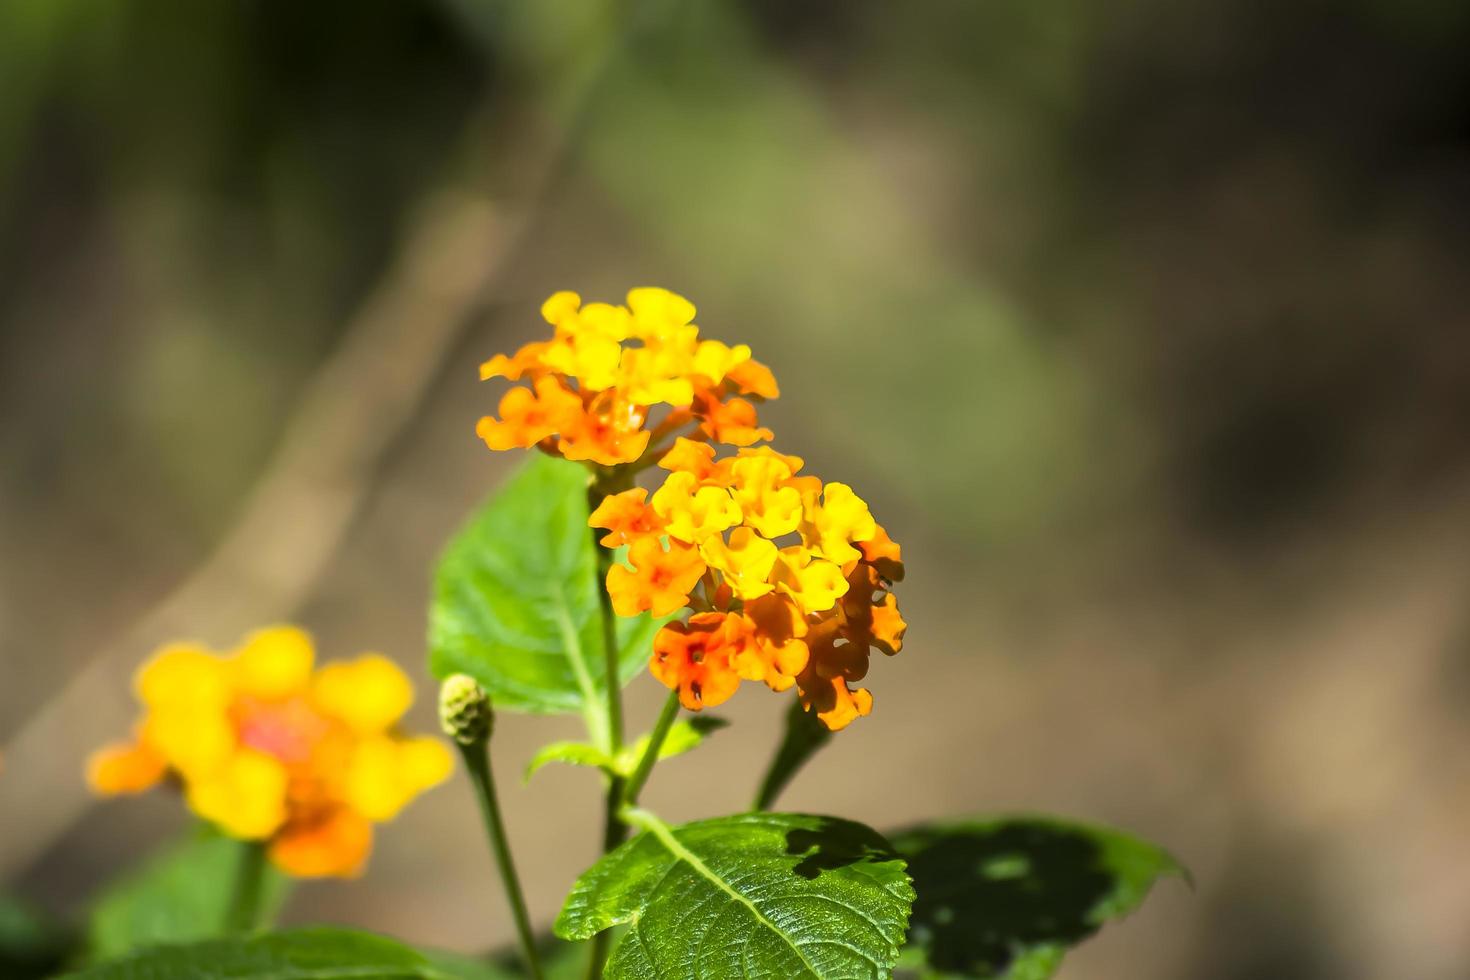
(269,749)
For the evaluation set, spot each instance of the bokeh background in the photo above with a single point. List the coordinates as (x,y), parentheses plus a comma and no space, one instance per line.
(1142,325)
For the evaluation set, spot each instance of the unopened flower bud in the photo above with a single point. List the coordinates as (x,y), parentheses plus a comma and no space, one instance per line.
(464,710)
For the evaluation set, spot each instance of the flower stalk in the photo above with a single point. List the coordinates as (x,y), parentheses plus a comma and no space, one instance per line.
(655,745)
(467,717)
(805,736)
(245,901)
(613,829)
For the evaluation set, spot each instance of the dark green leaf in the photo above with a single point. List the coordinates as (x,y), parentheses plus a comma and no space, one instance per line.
(516,599)
(559,961)
(31,945)
(179,895)
(756,895)
(463,967)
(1007,898)
(305,954)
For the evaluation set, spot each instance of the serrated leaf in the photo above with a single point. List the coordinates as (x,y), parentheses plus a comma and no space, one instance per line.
(684,735)
(572,753)
(1005,899)
(302,954)
(516,599)
(756,895)
(181,894)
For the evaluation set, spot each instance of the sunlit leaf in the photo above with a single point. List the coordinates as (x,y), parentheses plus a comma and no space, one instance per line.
(572,753)
(684,735)
(516,599)
(756,895)
(1007,898)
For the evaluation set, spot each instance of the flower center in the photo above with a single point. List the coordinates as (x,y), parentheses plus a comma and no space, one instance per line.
(284,729)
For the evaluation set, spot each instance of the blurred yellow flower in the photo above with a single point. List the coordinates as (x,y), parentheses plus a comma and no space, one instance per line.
(269,749)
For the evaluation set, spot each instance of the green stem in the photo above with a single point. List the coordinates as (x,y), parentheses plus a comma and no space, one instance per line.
(805,735)
(650,754)
(613,829)
(477,763)
(610,651)
(244,913)
(613,832)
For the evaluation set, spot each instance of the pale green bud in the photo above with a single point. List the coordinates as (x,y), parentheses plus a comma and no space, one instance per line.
(464,710)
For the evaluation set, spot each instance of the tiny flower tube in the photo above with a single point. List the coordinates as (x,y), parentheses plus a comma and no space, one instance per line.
(270,749)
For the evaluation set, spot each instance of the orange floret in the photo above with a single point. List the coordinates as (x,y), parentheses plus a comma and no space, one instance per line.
(696,658)
(688,456)
(125,768)
(333,842)
(754,378)
(732,422)
(610,431)
(527,417)
(626,516)
(884,554)
(659,581)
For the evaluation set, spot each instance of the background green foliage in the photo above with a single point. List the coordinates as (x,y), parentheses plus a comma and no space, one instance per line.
(181,894)
(1007,898)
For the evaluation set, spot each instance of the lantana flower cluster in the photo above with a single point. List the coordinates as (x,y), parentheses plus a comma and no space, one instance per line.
(270,750)
(786,579)
(591,389)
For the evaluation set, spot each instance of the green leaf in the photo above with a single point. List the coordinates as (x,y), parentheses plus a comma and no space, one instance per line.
(179,895)
(572,753)
(559,961)
(683,735)
(1007,898)
(31,945)
(757,895)
(303,954)
(516,600)
(507,967)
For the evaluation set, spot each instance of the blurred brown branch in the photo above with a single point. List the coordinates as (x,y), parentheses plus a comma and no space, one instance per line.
(294,520)
(299,513)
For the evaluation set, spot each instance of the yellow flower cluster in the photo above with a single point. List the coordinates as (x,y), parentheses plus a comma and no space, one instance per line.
(787,578)
(269,749)
(593,386)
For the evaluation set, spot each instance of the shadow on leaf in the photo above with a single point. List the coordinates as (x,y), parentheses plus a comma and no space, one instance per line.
(1006,898)
(835,844)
